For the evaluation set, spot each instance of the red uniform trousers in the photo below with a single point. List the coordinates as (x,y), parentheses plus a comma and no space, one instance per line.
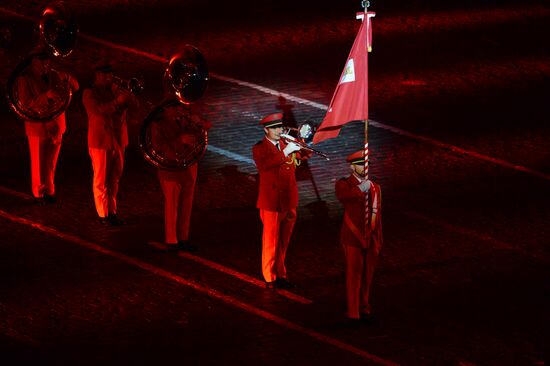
(44,152)
(44,137)
(178,189)
(277,230)
(360,265)
(107,165)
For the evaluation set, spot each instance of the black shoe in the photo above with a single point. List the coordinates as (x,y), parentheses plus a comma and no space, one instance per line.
(169,247)
(271,285)
(186,246)
(104,221)
(49,199)
(368,319)
(164,247)
(40,201)
(114,220)
(284,284)
(351,323)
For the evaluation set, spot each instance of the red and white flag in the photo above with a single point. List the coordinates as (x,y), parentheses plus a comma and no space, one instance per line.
(350,100)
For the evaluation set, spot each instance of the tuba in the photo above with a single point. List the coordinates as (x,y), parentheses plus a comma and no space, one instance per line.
(171,136)
(58,33)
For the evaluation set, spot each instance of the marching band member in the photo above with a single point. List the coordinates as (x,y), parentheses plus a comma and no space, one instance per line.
(276,162)
(36,90)
(360,249)
(173,135)
(106,105)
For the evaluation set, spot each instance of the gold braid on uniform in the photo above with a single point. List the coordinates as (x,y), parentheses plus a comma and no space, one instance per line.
(293,160)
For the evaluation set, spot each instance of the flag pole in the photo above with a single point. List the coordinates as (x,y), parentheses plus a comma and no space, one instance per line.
(366,4)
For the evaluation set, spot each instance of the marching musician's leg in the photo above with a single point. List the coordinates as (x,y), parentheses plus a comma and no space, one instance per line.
(115,172)
(287,221)
(35,147)
(185,204)
(270,238)
(99,165)
(51,154)
(171,190)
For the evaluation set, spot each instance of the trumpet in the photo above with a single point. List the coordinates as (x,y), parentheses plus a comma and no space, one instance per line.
(304,135)
(133,85)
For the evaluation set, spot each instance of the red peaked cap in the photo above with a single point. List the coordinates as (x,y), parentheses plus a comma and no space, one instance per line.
(272,120)
(357,157)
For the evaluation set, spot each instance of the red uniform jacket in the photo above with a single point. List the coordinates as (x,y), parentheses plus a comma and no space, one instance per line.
(278,189)
(107,128)
(353,227)
(32,89)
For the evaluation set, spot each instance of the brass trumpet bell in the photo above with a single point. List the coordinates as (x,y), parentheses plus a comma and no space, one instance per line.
(304,132)
(133,85)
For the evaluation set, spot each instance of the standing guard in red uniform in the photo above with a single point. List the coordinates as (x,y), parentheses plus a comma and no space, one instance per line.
(36,90)
(276,161)
(106,104)
(360,249)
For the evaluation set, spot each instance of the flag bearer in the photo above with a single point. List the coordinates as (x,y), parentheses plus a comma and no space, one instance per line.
(361,241)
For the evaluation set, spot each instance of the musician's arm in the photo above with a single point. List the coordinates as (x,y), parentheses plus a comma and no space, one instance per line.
(266,159)
(28,98)
(95,106)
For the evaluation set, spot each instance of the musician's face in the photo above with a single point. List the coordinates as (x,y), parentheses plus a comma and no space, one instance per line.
(274,133)
(358,169)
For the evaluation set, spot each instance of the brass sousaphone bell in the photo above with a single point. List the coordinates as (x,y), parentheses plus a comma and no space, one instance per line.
(58,29)
(171,137)
(58,32)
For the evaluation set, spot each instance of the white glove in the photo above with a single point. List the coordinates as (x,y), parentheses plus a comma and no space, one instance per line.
(290,148)
(365,185)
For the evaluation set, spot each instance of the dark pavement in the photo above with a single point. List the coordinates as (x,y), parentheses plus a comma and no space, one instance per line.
(463,276)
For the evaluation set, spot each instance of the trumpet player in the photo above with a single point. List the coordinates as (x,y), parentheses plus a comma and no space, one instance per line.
(37,91)
(106,105)
(361,242)
(276,161)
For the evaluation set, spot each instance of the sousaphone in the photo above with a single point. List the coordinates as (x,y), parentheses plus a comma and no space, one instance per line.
(58,32)
(172,137)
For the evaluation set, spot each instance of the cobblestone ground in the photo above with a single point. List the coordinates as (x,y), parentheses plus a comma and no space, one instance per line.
(462,276)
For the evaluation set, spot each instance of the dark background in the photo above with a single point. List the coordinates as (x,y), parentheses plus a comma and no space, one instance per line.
(463,275)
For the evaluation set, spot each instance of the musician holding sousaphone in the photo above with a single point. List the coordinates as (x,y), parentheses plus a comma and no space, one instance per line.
(42,92)
(40,95)
(173,138)
(107,104)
